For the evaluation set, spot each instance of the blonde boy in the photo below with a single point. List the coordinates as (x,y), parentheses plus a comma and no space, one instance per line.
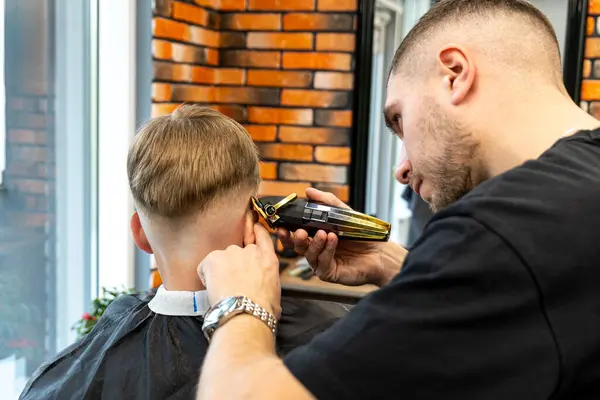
(192,174)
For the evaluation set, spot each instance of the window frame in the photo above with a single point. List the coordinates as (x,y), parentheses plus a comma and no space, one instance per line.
(3,136)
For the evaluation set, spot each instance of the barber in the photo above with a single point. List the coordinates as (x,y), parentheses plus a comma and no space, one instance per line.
(500,297)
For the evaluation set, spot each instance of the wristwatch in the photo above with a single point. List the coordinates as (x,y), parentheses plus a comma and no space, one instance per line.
(228,308)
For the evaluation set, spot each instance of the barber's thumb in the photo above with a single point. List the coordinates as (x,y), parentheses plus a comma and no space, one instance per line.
(263,238)
(325,197)
(249,237)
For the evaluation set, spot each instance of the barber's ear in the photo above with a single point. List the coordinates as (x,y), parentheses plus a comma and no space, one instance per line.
(458,70)
(139,236)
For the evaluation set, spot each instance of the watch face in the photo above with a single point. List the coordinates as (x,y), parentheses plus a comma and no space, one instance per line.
(227,304)
(222,308)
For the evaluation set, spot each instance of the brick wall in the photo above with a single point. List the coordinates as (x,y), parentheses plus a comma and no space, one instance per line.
(27,222)
(590,85)
(283,68)
(29,175)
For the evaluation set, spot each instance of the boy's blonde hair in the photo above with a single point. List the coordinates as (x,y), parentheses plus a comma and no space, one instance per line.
(180,164)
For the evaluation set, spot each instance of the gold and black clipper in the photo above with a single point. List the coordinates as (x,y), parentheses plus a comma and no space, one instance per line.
(293,213)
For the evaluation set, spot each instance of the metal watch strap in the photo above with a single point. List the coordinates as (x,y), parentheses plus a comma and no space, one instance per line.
(254,309)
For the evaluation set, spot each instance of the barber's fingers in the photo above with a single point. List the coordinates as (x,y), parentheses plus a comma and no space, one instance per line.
(325,197)
(263,239)
(301,241)
(325,258)
(286,237)
(314,249)
(249,237)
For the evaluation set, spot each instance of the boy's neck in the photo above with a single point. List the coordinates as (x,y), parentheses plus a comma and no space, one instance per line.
(180,276)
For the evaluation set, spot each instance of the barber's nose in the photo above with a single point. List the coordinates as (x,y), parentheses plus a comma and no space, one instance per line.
(403,172)
(404,167)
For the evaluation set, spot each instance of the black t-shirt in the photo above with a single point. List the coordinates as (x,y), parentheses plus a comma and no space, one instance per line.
(499,299)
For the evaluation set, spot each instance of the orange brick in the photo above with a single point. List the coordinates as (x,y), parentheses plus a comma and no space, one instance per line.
(232,5)
(294,134)
(212,57)
(294,41)
(235,40)
(590,90)
(278,188)
(336,41)
(26,136)
(285,116)
(188,54)
(587,68)
(215,94)
(278,151)
(337,5)
(314,98)
(279,78)
(317,22)
(163,7)
(224,76)
(319,61)
(251,22)
(190,13)
(155,279)
(268,170)
(592,48)
(230,76)
(171,72)
(31,185)
(589,26)
(30,154)
(161,92)
(262,133)
(163,109)
(282,5)
(204,37)
(313,173)
(333,118)
(332,155)
(342,192)
(334,80)
(594,7)
(236,112)
(162,49)
(167,29)
(257,59)
(204,75)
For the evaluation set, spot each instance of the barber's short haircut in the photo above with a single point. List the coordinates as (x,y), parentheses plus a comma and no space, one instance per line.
(183,163)
(461,14)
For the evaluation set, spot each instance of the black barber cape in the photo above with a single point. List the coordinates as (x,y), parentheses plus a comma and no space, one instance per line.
(498,299)
(152,347)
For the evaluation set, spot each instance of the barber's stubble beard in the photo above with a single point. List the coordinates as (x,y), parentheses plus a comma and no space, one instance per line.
(453,166)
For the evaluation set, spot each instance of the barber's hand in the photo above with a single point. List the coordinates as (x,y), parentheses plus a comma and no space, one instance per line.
(251,271)
(347,262)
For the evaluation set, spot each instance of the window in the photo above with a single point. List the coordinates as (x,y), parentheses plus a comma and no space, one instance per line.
(73,100)
(2,100)
(393,20)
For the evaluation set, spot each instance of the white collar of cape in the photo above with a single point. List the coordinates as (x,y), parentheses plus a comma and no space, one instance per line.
(179,303)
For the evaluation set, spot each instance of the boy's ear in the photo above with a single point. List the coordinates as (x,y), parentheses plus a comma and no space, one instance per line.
(138,234)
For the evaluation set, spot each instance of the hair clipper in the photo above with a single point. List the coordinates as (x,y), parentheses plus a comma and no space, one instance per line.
(293,213)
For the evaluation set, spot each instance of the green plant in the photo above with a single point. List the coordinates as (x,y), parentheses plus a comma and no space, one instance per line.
(89,319)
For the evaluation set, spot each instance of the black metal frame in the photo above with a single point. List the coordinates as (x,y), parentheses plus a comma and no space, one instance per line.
(362,99)
(574,47)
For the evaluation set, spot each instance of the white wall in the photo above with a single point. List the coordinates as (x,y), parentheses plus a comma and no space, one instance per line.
(556,11)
